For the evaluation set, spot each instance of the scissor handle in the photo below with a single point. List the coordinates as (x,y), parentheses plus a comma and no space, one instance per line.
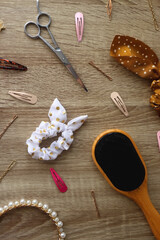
(28,34)
(42,14)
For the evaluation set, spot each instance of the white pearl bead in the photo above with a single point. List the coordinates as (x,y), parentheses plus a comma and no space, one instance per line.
(61,230)
(1,210)
(34,202)
(49,210)
(5,207)
(16,203)
(22,201)
(40,204)
(54,214)
(56,220)
(28,202)
(60,224)
(10,205)
(63,235)
(45,207)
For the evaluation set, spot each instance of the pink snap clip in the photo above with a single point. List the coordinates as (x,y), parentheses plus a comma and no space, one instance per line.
(79,20)
(158,138)
(58,181)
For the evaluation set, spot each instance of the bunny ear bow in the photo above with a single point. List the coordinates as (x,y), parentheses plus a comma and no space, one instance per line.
(57,113)
(58,116)
(139,58)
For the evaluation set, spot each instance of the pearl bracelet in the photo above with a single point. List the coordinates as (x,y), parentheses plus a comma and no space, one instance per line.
(39,205)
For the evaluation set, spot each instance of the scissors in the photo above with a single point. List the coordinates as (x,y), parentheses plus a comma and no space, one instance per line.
(56,49)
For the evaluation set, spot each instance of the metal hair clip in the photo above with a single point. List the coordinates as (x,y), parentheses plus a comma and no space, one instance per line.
(25,97)
(79,20)
(158,138)
(7,64)
(116,98)
(58,181)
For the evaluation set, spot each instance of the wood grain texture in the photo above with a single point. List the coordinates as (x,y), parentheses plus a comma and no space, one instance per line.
(47,78)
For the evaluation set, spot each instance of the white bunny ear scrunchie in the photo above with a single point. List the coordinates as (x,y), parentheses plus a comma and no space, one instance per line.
(58,116)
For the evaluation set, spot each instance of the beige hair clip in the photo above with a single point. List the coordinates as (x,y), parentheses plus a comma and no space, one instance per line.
(116,98)
(25,97)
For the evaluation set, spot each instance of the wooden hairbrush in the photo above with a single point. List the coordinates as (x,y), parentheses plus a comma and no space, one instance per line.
(119,160)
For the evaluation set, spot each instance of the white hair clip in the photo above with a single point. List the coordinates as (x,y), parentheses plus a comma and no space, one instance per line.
(58,116)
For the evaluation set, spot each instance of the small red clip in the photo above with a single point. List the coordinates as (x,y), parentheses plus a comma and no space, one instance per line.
(58,181)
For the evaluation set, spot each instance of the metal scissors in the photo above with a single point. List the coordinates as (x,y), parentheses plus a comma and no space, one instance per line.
(56,49)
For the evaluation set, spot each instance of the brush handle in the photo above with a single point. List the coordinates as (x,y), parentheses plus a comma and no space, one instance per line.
(153,217)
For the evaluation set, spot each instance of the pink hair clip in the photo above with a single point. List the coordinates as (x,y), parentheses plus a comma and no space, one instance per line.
(158,138)
(79,20)
(58,181)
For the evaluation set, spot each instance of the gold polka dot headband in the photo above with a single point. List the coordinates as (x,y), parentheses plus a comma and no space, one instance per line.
(139,58)
(58,116)
(42,207)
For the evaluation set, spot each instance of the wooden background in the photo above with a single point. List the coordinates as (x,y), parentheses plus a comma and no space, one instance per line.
(48,79)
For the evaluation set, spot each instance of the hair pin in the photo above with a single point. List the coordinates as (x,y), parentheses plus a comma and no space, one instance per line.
(158,138)
(109,9)
(7,64)
(8,125)
(95,203)
(58,181)
(7,170)
(116,98)
(98,69)
(153,15)
(79,21)
(25,97)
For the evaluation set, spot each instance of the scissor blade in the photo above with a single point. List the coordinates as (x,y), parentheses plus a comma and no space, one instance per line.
(65,61)
(74,74)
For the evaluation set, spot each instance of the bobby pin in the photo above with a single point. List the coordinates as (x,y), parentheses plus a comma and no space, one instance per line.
(153,15)
(7,170)
(109,9)
(5,129)
(95,203)
(93,65)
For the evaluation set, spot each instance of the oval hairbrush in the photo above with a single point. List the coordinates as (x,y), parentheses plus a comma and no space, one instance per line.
(119,160)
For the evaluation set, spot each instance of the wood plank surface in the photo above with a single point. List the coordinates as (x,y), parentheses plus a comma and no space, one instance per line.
(48,79)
